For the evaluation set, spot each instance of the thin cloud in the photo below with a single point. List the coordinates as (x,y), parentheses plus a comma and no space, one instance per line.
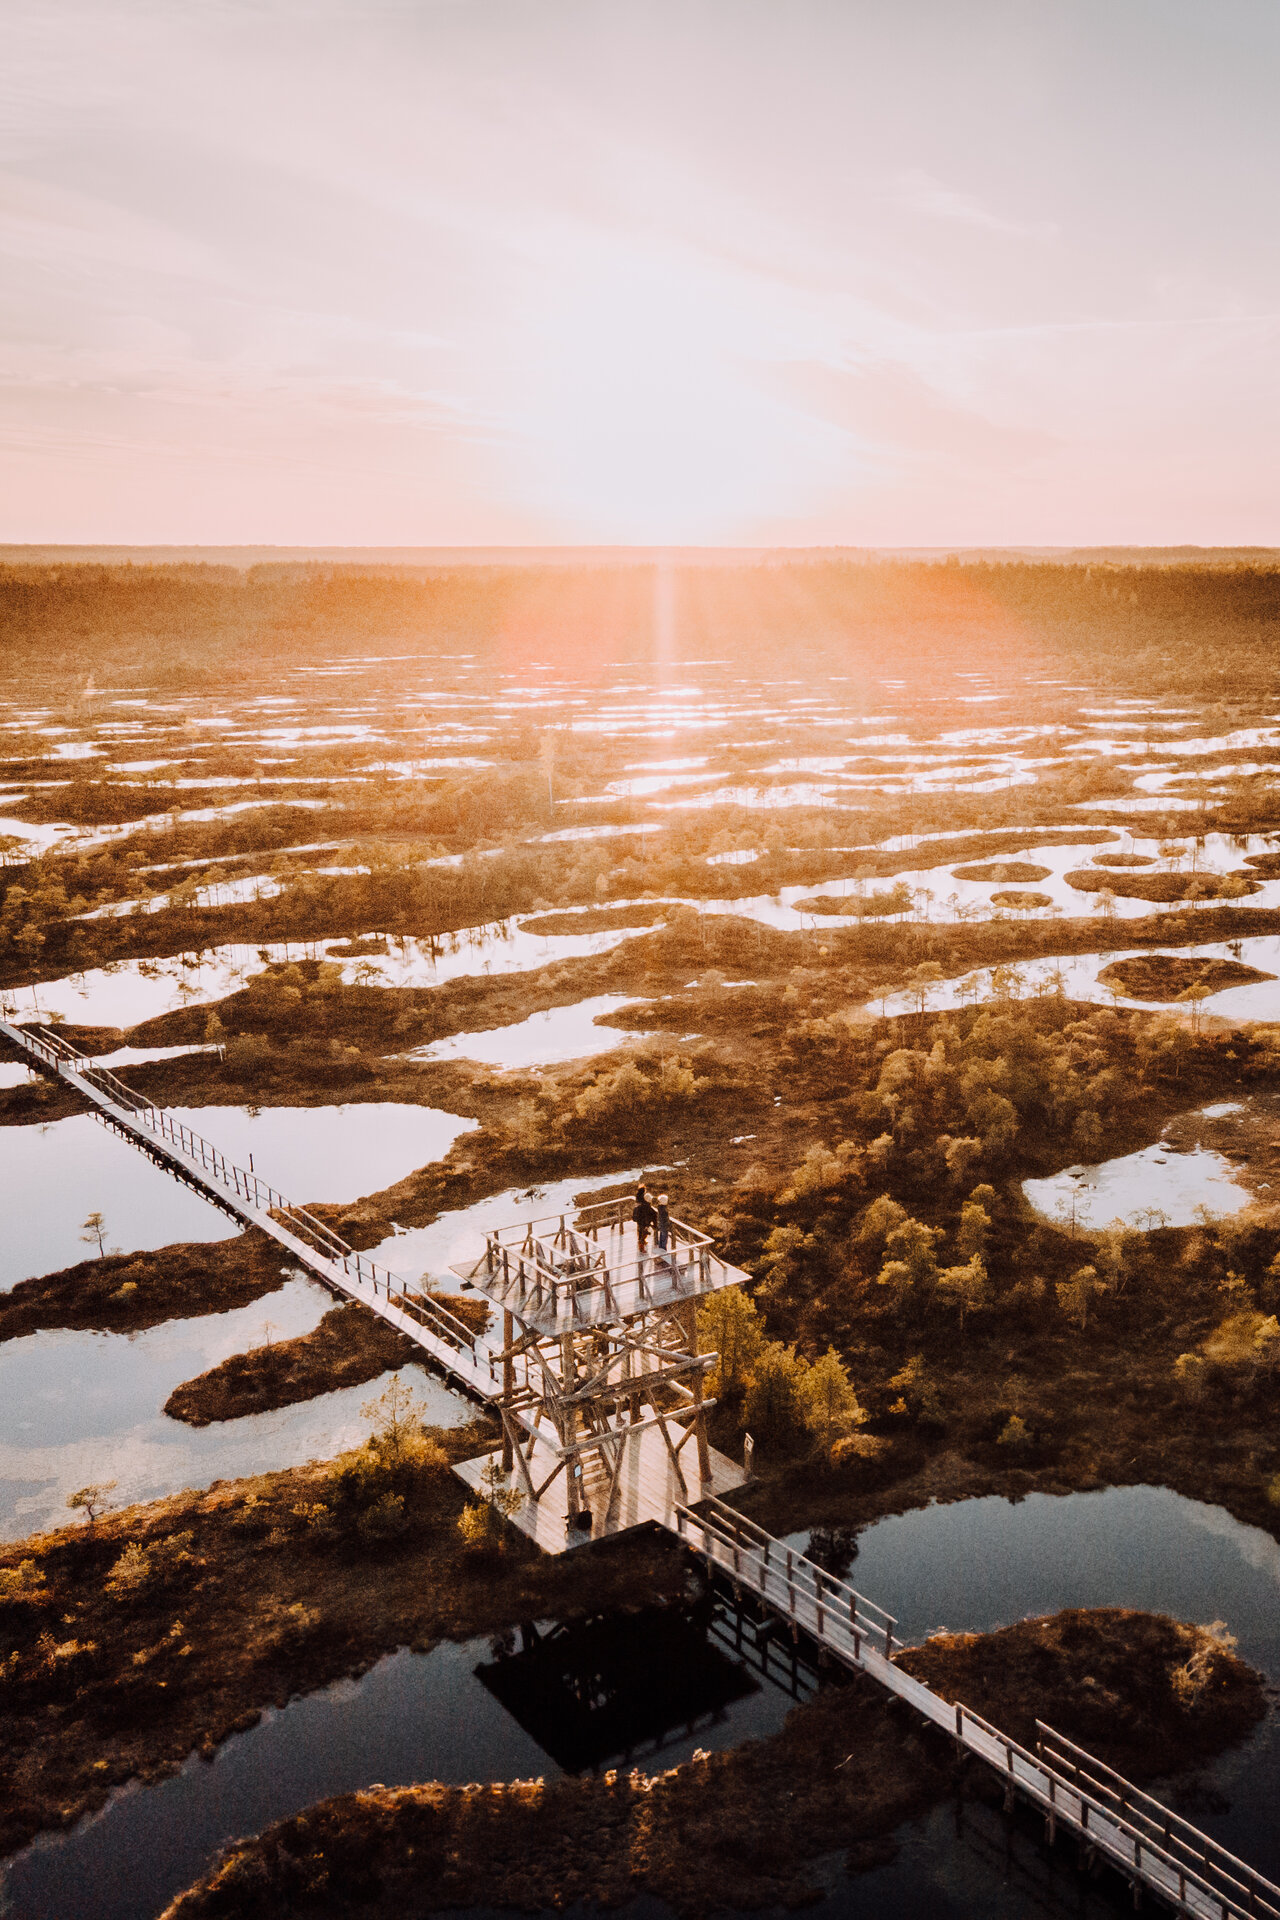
(919,192)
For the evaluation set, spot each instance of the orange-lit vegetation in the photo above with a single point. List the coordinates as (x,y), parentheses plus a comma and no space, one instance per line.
(783,844)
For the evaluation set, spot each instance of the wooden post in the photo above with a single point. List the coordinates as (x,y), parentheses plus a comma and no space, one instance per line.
(689,1313)
(508,1386)
(568,1375)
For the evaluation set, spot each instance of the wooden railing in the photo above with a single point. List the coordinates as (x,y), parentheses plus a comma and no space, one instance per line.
(245,1193)
(1155,1825)
(1145,1840)
(843,1619)
(560,1263)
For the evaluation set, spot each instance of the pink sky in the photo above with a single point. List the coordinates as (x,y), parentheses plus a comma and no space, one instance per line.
(484,271)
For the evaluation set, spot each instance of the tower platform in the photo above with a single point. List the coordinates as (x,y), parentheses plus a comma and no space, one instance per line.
(602,1385)
(571,1271)
(648,1490)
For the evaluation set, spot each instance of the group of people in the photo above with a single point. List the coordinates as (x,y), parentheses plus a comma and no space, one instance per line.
(651,1220)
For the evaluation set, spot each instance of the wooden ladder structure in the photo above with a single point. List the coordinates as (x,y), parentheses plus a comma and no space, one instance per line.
(254,1202)
(1153,1847)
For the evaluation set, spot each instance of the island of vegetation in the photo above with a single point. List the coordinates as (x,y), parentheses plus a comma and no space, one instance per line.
(848,1101)
(1168,976)
(709,1835)
(1163,886)
(1019,872)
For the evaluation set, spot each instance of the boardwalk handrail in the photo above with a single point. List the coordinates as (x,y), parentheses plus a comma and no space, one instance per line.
(815,1599)
(730,1517)
(1055,1787)
(1159,1822)
(252,1192)
(1135,1832)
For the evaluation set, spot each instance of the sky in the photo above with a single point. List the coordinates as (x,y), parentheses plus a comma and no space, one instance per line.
(785,272)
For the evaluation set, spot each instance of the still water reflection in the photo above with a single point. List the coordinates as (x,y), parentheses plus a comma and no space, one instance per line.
(977,1564)
(434,1716)
(53,1176)
(77,1406)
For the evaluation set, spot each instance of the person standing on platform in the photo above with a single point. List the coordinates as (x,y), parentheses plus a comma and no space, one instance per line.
(664,1223)
(644,1216)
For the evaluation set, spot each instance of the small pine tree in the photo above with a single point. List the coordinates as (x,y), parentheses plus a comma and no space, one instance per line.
(966,1287)
(971,1234)
(397,1418)
(91,1500)
(1075,1296)
(831,1407)
(775,1408)
(729,1325)
(95,1233)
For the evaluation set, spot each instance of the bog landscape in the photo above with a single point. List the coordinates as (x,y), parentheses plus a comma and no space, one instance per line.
(392,1523)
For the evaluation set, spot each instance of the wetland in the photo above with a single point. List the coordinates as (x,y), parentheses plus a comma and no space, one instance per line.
(941,993)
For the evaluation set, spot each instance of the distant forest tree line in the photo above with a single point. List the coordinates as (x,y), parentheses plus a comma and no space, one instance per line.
(188,623)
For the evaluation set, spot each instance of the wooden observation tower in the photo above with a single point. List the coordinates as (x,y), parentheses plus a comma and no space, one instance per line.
(602,1404)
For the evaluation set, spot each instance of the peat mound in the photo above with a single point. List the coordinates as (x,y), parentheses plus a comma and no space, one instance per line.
(1163,886)
(1124,859)
(125,1292)
(1016,871)
(601,919)
(1145,1694)
(859,906)
(1019,900)
(350,1346)
(1163,976)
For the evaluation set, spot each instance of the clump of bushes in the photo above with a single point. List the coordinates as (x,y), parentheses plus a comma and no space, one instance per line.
(480,1522)
(141,1571)
(788,1403)
(622,1101)
(368,1492)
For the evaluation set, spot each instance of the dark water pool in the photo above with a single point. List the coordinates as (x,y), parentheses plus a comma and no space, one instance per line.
(485,1710)
(984,1563)
(648,1689)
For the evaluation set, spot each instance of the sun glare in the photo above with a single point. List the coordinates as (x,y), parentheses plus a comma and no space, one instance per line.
(649,416)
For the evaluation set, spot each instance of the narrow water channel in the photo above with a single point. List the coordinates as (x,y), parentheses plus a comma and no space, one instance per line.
(475,1710)
(78,1406)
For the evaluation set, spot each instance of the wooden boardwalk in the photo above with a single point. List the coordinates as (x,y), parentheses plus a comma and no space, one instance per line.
(254,1202)
(1114,1820)
(1153,1847)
